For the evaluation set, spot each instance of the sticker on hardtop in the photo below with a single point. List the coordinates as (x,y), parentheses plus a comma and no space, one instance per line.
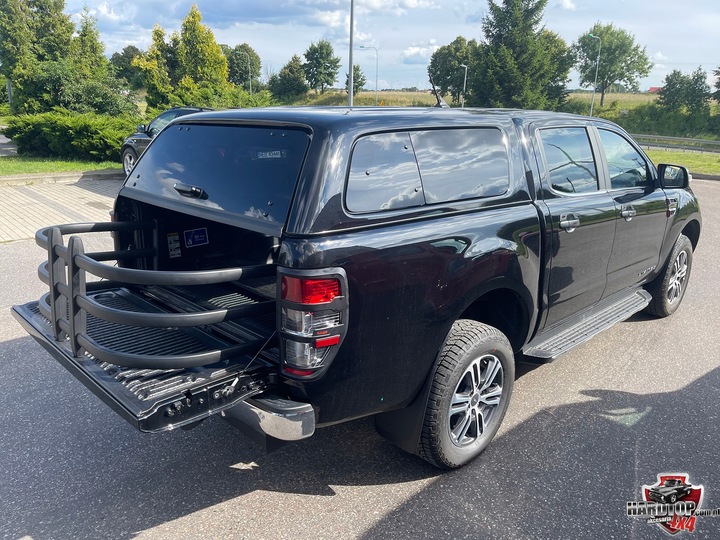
(196,237)
(173,240)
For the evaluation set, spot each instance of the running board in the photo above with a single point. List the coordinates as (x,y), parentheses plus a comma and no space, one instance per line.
(593,322)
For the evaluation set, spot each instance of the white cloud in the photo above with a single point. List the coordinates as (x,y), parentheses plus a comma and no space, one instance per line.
(568,5)
(419,54)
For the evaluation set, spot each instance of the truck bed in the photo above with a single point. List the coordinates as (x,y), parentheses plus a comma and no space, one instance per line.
(163,356)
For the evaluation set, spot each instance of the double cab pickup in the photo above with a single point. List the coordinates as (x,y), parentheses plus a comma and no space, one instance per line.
(293,268)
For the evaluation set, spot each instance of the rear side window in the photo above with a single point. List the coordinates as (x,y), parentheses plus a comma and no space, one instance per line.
(570,162)
(383,174)
(247,170)
(408,169)
(459,164)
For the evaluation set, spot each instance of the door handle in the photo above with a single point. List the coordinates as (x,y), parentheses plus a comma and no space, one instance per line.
(569,222)
(627,212)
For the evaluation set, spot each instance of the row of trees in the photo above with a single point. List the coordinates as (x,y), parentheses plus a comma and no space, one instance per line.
(48,63)
(522,64)
(519,63)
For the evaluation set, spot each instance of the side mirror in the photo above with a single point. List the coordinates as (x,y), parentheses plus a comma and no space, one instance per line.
(673,176)
(141,128)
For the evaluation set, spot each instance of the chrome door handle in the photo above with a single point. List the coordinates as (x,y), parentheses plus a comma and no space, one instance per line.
(627,212)
(569,222)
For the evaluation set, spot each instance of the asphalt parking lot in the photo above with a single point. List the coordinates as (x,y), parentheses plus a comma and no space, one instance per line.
(582,436)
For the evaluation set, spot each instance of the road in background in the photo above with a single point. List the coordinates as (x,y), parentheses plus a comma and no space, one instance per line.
(581,436)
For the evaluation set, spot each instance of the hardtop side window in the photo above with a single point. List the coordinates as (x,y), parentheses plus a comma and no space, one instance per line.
(626,166)
(459,164)
(383,174)
(570,161)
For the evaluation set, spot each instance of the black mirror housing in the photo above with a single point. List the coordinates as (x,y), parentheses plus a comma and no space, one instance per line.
(674,176)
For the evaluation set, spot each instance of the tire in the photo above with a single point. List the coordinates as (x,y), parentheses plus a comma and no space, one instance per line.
(673,498)
(469,395)
(668,289)
(129,157)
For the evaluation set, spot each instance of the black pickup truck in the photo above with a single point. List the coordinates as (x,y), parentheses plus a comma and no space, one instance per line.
(292,268)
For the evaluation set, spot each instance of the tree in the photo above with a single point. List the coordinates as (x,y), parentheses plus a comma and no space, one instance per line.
(359,80)
(238,58)
(15,40)
(154,68)
(520,64)
(321,66)
(87,49)
(446,63)
(52,30)
(123,67)
(716,94)
(290,82)
(201,58)
(621,59)
(686,92)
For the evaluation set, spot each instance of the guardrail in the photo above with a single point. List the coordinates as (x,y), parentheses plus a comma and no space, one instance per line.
(677,143)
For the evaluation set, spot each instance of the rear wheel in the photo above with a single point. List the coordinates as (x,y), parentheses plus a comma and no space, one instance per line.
(668,289)
(469,395)
(129,157)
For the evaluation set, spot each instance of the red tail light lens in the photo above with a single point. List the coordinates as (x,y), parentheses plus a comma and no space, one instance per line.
(312,319)
(309,291)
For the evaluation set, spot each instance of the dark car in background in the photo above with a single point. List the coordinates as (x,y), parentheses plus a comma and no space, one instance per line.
(135,144)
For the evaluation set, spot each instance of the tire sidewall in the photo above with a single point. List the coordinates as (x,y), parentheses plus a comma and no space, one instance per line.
(682,244)
(454,456)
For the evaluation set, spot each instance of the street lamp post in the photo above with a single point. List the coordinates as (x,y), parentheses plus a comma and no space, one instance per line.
(462,99)
(249,73)
(376,70)
(597,66)
(351,82)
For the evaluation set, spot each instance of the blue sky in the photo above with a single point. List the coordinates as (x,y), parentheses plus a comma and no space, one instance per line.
(677,35)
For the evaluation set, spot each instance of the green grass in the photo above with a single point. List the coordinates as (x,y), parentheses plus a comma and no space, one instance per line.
(696,162)
(15,165)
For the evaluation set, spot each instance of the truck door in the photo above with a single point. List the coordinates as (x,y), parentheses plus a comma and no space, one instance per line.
(641,211)
(581,222)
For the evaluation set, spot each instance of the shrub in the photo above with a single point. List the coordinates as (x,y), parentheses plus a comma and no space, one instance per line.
(66,135)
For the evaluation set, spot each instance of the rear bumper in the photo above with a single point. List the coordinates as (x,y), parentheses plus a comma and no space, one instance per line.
(267,418)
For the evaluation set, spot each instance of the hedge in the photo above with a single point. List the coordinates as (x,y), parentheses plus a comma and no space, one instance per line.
(67,135)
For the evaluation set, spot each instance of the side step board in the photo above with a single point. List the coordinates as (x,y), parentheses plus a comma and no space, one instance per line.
(601,317)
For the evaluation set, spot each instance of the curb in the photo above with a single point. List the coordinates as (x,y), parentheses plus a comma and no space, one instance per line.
(60,178)
(700,176)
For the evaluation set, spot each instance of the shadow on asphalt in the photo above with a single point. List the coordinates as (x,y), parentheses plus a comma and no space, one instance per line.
(71,468)
(569,471)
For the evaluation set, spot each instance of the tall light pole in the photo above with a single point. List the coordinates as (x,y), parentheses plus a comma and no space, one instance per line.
(597,66)
(351,83)
(462,100)
(249,74)
(376,70)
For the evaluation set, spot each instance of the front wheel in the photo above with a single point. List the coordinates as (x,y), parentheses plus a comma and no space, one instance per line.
(470,393)
(668,289)
(129,157)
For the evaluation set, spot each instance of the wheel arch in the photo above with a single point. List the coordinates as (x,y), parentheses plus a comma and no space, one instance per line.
(692,231)
(506,306)
(499,303)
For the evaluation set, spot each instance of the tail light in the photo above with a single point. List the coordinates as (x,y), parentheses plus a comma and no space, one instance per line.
(312,319)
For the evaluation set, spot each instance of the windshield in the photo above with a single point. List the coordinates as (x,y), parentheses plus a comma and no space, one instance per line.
(249,171)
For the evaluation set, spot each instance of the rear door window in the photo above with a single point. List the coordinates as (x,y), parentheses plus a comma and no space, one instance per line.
(570,162)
